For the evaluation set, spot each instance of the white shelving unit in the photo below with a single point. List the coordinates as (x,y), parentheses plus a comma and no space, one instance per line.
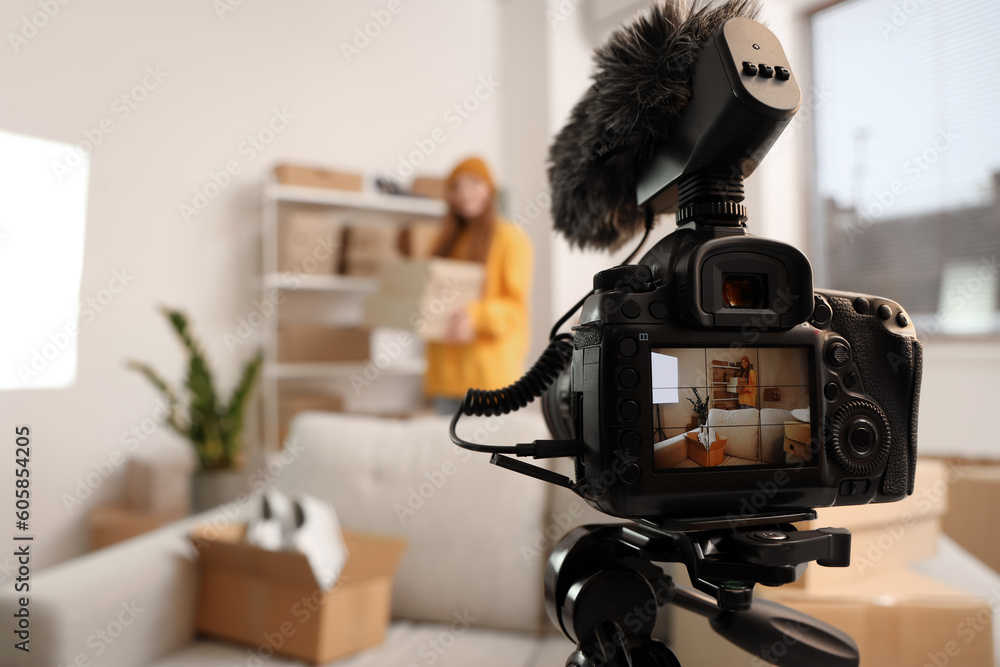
(344,295)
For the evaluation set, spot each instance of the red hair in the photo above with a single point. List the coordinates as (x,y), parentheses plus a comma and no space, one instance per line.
(480,228)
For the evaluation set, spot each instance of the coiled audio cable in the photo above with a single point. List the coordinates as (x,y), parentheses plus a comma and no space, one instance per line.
(555,358)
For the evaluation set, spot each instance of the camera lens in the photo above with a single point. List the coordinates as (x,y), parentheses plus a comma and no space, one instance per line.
(742,291)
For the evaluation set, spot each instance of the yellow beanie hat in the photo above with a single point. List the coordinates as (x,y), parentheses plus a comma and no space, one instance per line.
(473,166)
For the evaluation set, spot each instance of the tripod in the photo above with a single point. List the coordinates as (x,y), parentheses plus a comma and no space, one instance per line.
(603,590)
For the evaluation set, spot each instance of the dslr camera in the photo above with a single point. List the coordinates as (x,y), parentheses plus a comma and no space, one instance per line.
(711,379)
(709,393)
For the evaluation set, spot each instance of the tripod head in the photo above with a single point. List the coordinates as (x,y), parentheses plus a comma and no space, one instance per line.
(603,589)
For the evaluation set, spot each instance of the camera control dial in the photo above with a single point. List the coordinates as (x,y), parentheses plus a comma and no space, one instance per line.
(860,438)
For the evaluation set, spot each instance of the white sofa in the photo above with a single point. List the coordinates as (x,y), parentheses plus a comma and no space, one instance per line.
(743,445)
(477,538)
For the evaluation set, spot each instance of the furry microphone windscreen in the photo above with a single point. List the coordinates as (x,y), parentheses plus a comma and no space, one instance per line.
(642,80)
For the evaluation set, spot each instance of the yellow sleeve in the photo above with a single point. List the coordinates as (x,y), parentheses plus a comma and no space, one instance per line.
(505,309)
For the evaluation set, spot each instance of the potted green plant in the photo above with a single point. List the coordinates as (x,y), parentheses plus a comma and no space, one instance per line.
(700,407)
(214,428)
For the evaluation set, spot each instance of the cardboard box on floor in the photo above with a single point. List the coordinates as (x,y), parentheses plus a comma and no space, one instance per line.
(972,505)
(158,478)
(113,523)
(898,619)
(884,536)
(423,295)
(270,598)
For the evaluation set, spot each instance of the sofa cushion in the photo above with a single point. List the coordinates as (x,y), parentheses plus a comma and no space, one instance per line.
(144,589)
(772,433)
(468,522)
(742,442)
(406,645)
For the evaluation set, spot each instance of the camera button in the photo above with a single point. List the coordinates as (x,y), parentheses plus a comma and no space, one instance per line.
(782,73)
(861,305)
(838,354)
(822,313)
(831,391)
(766,71)
(862,438)
(628,378)
(631,310)
(851,381)
(884,312)
(749,68)
(658,310)
(629,410)
(630,473)
(629,440)
(627,347)
(902,320)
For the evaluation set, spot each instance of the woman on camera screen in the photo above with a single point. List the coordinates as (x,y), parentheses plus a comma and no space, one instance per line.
(748,384)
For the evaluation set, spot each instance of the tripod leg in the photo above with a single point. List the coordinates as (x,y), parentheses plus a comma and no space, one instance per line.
(658,655)
(653,654)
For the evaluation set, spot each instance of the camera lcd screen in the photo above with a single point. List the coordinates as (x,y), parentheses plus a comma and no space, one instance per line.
(731,407)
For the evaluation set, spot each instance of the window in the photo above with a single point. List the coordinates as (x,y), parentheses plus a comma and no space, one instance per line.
(906,202)
(42,219)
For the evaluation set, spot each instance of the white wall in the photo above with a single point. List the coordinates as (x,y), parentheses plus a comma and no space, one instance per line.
(524,40)
(223,78)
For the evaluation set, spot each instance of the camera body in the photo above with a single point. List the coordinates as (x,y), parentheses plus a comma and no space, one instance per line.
(822,412)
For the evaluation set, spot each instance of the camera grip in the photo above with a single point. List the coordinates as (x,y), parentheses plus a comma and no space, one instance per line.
(890,365)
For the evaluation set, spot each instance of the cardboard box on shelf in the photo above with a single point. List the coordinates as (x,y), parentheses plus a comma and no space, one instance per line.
(303,343)
(422,296)
(113,523)
(291,402)
(436,278)
(248,594)
(972,500)
(367,246)
(398,312)
(426,186)
(309,240)
(884,536)
(292,174)
(159,484)
(897,618)
(419,238)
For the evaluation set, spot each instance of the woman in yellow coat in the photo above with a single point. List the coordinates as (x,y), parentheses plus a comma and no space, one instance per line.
(748,390)
(488,339)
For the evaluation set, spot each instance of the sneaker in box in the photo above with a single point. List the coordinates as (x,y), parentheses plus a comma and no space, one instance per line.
(270,600)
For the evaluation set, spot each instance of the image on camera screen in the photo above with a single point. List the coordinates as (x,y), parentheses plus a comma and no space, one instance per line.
(731,407)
